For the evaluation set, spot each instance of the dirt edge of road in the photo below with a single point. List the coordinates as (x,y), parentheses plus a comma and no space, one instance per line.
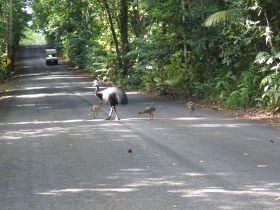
(253,114)
(247,114)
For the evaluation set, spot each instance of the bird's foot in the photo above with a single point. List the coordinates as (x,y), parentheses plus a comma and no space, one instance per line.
(117,119)
(108,118)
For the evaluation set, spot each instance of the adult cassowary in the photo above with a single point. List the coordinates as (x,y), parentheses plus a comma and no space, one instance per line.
(112,96)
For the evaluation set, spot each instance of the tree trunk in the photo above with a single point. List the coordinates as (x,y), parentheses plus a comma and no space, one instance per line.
(124,34)
(9,34)
(112,28)
(207,54)
(184,34)
(135,22)
(185,58)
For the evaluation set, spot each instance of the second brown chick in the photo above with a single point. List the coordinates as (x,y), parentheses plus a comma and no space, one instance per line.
(191,107)
(148,110)
(96,109)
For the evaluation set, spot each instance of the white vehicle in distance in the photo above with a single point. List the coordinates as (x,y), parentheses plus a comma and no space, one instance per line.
(51,57)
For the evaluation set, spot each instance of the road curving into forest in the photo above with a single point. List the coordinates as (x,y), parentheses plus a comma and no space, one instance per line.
(54,155)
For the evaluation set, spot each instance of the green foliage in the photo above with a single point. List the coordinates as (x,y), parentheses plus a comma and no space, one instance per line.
(222,16)
(270,66)
(271,89)
(245,91)
(19,22)
(202,90)
(169,49)
(13,21)
(3,71)
(223,84)
(31,37)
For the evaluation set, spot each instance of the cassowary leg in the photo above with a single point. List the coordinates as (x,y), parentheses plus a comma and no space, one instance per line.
(117,116)
(110,114)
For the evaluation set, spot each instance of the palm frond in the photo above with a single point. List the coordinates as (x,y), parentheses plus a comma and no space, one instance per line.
(220,17)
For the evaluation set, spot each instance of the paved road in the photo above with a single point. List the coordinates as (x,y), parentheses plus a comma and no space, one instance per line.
(54,155)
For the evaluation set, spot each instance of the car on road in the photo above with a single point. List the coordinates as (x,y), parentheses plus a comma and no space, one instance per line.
(51,56)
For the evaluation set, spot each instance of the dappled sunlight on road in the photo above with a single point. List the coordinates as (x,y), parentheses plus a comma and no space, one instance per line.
(229,125)
(176,182)
(37,122)
(154,182)
(85,190)
(34,92)
(71,127)
(140,180)
(40,95)
(52,77)
(133,93)
(106,122)
(35,88)
(53,150)
(32,133)
(210,191)
(194,122)
(196,174)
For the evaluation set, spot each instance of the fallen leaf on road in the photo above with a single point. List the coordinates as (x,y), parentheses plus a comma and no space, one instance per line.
(5,173)
(202,161)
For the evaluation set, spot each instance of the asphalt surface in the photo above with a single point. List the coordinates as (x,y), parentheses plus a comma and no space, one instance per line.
(54,155)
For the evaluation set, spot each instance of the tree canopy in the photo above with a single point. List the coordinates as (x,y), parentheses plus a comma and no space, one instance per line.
(13,21)
(222,51)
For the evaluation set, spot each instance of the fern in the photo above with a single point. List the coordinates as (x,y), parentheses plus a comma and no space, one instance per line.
(220,17)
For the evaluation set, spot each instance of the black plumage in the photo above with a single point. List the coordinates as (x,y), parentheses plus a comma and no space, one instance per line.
(112,96)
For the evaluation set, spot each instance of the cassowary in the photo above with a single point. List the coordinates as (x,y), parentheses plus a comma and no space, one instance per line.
(148,110)
(112,96)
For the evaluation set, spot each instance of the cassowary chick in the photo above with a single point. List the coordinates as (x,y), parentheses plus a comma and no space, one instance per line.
(148,110)
(96,109)
(191,107)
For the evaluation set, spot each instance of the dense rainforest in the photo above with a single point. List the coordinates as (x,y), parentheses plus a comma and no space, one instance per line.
(13,22)
(217,50)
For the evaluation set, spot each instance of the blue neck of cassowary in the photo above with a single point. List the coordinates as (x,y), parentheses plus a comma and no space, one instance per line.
(97,93)
(96,89)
